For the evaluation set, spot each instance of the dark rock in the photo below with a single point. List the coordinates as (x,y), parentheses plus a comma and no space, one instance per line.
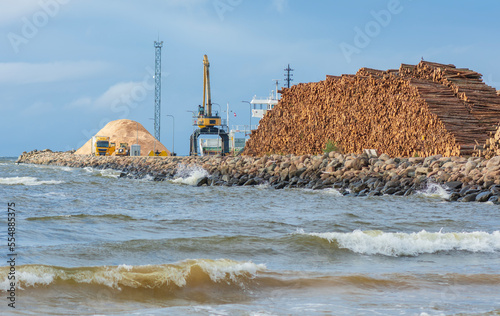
(483,196)
(250,181)
(375,193)
(454,185)
(464,189)
(400,193)
(389,190)
(364,192)
(280,185)
(471,191)
(242,180)
(409,192)
(454,196)
(318,186)
(494,199)
(202,181)
(358,187)
(469,197)
(495,189)
(158,177)
(391,184)
(337,185)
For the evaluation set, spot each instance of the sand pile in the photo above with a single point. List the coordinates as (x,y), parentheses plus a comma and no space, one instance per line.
(126,131)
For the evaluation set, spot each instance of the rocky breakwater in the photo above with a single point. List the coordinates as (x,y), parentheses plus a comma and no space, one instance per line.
(461,179)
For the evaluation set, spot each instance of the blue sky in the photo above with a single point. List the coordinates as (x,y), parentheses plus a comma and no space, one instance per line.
(67,67)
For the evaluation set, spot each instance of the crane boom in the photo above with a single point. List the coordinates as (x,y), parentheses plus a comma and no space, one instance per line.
(207,100)
(205,117)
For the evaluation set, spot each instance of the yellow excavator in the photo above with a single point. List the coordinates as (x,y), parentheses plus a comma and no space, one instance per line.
(206,122)
(123,150)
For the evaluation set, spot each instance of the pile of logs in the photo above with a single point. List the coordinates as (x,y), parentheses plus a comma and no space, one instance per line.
(419,110)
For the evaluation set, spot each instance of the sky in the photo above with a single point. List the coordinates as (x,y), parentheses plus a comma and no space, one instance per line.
(68,67)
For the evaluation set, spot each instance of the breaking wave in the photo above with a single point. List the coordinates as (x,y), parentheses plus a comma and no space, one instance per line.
(189,174)
(377,242)
(27,181)
(167,277)
(434,190)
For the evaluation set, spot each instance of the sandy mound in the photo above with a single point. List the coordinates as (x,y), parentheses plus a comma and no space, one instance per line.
(126,131)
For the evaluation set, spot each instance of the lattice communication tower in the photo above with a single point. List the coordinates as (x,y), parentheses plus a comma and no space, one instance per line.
(158,46)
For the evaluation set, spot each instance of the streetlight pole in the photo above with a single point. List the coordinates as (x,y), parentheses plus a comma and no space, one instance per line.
(173,133)
(250,118)
(154,144)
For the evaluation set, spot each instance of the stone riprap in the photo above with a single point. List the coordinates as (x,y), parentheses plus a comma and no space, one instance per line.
(464,179)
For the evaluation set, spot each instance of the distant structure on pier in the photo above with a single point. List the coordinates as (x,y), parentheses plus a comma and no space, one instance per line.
(158,46)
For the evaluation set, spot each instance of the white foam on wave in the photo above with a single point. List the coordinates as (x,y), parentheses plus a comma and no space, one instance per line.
(189,174)
(219,269)
(110,173)
(377,242)
(435,190)
(331,191)
(145,276)
(27,181)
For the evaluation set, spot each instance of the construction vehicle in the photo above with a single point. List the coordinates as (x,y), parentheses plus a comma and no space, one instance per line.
(101,146)
(205,121)
(111,149)
(123,150)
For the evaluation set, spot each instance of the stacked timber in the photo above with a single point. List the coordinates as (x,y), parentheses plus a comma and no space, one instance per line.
(419,110)
(481,100)
(491,147)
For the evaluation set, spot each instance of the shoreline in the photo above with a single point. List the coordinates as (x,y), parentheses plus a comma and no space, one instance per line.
(466,179)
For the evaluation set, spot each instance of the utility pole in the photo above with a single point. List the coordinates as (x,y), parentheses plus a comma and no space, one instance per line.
(288,75)
(158,46)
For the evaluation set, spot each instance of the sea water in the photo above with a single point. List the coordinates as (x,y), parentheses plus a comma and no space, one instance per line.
(89,242)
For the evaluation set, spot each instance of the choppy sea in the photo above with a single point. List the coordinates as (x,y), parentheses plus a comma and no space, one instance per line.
(89,242)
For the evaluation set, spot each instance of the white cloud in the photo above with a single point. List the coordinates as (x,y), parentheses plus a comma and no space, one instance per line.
(280,5)
(24,73)
(119,98)
(15,10)
(38,108)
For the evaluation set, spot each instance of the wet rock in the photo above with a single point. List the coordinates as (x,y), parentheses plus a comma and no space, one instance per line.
(453,185)
(454,196)
(158,177)
(390,191)
(280,185)
(392,184)
(358,187)
(483,196)
(318,186)
(375,193)
(250,181)
(494,199)
(202,181)
(364,192)
(409,192)
(469,197)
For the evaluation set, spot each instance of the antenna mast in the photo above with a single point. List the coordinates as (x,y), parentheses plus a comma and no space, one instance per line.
(288,75)
(158,46)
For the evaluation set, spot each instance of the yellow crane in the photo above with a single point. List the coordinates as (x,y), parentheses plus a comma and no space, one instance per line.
(205,117)
(205,121)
